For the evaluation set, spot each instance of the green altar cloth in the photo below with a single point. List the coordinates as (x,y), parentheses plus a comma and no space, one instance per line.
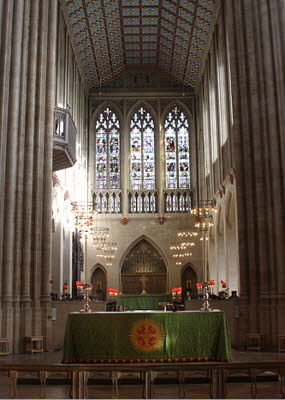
(143,301)
(117,337)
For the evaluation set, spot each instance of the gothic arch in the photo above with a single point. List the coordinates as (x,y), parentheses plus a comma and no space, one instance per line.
(171,178)
(98,265)
(155,150)
(189,279)
(92,140)
(137,240)
(98,279)
(143,269)
(187,265)
(101,107)
(180,105)
(148,107)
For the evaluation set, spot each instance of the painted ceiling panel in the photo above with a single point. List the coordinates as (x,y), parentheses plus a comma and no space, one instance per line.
(110,35)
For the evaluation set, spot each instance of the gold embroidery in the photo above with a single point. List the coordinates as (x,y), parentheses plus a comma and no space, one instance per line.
(146,335)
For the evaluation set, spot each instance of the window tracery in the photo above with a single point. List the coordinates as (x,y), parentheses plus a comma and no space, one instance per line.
(177,163)
(107,150)
(142,171)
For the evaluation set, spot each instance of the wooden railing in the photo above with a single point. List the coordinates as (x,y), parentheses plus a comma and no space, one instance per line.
(218,374)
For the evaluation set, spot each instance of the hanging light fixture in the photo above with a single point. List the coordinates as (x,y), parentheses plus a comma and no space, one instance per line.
(204,211)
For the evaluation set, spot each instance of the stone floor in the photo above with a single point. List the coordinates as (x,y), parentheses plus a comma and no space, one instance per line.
(130,387)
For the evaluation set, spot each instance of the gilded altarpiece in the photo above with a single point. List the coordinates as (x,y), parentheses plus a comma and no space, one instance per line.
(144,270)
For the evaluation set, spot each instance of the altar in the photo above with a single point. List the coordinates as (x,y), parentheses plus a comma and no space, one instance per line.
(146,336)
(143,301)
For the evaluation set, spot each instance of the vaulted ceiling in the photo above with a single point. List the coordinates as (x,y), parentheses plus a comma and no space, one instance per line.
(112,35)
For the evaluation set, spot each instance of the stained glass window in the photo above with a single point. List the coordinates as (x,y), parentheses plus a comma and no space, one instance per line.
(107,150)
(177,150)
(142,150)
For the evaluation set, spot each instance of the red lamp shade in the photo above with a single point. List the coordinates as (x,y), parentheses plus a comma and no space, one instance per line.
(173,290)
(224,285)
(179,289)
(199,285)
(65,286)
(112,290)
(90,287)
(77,283)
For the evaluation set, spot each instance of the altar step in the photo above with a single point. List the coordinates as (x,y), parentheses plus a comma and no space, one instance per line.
(137,381)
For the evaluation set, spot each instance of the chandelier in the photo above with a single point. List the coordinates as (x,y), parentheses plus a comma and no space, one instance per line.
(84,213)
(187,234)
(204,211)
(181,246)
(85,221)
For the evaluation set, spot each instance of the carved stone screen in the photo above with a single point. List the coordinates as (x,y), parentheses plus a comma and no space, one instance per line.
(144,270)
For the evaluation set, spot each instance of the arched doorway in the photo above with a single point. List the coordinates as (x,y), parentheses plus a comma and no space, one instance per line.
(98,281)
(189,280)
(144,270)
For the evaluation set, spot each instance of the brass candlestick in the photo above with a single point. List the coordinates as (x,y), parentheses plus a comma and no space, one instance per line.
(86,299)
(206,305)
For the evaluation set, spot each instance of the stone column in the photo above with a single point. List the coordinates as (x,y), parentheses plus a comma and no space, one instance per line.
(5,55)
(47,172)
(39,182)
(256,46)
(20,178)
(27,208)
(11,171)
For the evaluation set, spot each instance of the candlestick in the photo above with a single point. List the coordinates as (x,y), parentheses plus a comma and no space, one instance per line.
(206,305)
(86,306)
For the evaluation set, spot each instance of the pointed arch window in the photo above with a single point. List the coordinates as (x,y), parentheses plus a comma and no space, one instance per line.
(142,168)
(177,163)
(107,161)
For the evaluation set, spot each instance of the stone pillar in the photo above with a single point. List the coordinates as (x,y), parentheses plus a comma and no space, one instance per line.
(5,54)
(8,281)
(20,180)
(256,46)
(47,171)
(27,98)
(27,206)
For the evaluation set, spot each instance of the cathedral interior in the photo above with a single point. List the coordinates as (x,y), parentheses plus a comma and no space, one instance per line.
(142,151)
